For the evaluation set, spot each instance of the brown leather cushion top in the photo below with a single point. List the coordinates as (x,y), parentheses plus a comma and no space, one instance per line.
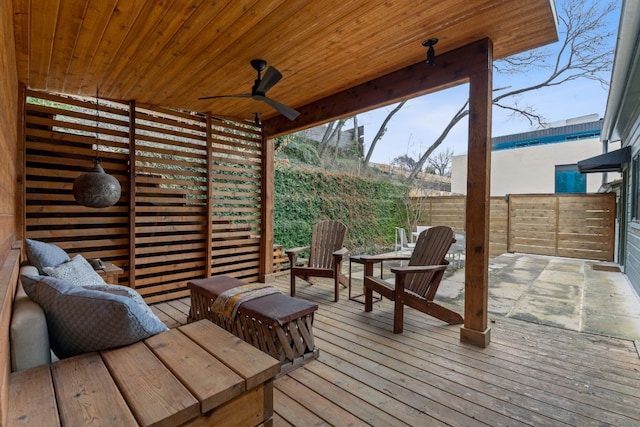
(276,307)
(214,286)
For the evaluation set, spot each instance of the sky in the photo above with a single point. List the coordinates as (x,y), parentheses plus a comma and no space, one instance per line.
(414,128)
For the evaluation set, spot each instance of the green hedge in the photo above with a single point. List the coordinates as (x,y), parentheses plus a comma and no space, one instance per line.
(369,208)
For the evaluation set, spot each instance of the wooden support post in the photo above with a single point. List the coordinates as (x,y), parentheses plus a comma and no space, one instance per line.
(209,214)
(476,330)
(132,194)
(267,188)
(21,173)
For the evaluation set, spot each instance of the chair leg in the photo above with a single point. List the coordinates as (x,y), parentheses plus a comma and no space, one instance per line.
(336,286)
(398,316)
(293,285)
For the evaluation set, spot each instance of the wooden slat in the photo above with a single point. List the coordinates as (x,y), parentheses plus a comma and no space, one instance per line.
(207,378)
(242,411)
(78,404)
(153,393)
(242,358)
(33,401)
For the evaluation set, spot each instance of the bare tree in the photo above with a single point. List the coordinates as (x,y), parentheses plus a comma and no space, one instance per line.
(405,162)
(356,135)
(415,210)
(333,129)
(584,53)
(341,124)
(441,162)
(381,131)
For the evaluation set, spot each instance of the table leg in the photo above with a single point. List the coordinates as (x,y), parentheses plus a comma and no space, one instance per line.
(368,271)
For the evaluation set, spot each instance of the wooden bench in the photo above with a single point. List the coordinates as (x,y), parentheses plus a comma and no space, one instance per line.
(197,374)
(279,325)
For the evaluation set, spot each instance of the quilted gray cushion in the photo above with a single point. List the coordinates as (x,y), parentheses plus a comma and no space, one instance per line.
(92,318)
(78,272)
(42,254)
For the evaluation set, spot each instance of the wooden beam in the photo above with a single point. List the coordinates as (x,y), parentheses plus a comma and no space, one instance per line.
(476,299)
(450,69)
(266,208)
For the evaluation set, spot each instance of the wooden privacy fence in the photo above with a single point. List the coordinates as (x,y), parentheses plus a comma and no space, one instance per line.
(568,225)
(191,190)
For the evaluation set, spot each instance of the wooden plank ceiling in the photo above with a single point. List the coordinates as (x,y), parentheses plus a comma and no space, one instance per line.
(170,53)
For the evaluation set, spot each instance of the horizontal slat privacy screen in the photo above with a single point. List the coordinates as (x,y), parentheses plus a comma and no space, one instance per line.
(165,226)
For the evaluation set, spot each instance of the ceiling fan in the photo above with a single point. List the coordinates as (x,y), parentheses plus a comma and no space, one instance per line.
(260,88)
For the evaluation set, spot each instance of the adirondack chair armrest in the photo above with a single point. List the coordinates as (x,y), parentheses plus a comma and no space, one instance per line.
(341,252)
(417,269)
(296,251)
(293,254)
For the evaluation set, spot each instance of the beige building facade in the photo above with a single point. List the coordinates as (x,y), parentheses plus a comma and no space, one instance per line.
(535,169)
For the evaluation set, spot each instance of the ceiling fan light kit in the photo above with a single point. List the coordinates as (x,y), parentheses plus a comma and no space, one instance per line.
(260,87)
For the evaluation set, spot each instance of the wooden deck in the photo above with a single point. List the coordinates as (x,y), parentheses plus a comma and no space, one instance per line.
(529,375)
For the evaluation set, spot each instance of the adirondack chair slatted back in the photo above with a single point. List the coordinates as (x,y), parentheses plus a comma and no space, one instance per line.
(326,238)
(431,249)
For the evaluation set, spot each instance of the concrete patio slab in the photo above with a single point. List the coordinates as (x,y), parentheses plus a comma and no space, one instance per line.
(562,292)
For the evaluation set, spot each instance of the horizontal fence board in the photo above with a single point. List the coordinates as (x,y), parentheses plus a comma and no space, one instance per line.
(169,192)
(559,224)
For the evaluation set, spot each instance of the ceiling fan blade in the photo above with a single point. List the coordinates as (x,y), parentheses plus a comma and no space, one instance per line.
(239,95)
(270,78)
(288,112)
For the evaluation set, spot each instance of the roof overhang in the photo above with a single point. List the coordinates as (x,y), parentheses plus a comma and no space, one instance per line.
(613,161)
(170,54)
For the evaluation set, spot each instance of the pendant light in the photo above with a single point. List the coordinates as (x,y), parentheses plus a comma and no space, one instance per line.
(96,189)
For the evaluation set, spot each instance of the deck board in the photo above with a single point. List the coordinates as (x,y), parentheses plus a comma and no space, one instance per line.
(530,374)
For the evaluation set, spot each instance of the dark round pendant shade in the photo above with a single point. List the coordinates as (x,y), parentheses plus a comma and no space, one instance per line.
(96,189)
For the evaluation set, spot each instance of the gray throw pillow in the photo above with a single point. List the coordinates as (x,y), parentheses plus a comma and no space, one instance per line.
(42,254)
(92,318)
(78,272)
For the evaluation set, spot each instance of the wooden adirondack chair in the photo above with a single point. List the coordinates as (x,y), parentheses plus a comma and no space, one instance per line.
(325,255)
(416,284)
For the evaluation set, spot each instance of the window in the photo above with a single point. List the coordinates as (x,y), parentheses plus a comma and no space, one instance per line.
(570,180)
(635,188)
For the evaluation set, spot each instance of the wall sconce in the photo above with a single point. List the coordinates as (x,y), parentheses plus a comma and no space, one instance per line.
(431,54)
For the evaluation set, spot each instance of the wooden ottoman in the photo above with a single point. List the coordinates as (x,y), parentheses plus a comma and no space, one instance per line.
(277,324)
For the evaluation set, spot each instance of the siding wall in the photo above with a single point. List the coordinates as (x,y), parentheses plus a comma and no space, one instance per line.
(632,254)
